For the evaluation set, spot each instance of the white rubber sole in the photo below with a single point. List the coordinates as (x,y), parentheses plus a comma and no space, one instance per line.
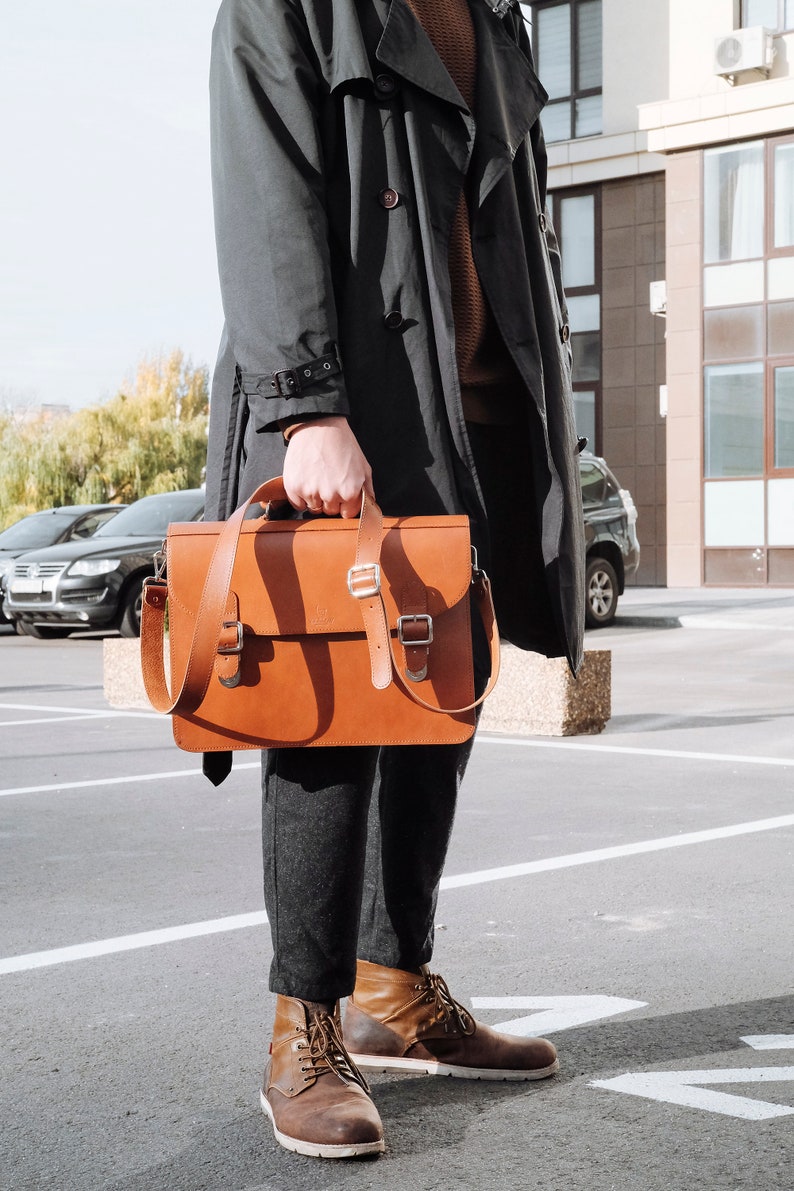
(312,1149)
(431,1067)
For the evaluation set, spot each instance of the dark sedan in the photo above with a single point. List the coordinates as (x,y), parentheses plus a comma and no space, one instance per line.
(66,523)
(96,584)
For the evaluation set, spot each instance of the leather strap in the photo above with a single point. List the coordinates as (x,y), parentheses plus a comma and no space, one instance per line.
(414,625)
(209,621)
(373,612)
(209,632)
(481,586)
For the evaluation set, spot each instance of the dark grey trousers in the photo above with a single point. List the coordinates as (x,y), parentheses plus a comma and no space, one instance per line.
(354,843)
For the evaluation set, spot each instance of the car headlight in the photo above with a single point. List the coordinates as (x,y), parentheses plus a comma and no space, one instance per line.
(94,566)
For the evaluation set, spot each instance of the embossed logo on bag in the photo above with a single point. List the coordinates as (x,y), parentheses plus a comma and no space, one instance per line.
(322,618)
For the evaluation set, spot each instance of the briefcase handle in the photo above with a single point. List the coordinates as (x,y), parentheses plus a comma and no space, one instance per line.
(214,599)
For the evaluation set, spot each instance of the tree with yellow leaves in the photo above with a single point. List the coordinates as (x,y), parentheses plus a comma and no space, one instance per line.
(150,437)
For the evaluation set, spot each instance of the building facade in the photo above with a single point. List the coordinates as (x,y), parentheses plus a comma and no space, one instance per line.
(671,148)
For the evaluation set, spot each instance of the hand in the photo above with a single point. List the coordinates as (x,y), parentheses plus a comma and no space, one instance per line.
(325,468)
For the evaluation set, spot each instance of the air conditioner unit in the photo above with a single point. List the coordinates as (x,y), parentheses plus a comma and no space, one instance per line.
(658,297)
(744,50)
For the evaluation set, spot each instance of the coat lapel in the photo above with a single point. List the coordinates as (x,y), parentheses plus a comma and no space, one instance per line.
(407,50)
(509,99)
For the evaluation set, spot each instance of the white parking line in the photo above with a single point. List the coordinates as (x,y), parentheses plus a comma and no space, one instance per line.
(48,707)
(52,719)
(553,863)
(66,714)
(147,938)
(60,955)
(482,739)
(115,781)
(630,751)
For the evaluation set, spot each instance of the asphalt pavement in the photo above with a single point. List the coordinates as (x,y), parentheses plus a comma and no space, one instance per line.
(628,894)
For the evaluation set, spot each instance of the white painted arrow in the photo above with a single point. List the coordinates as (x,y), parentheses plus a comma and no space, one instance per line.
(770,1041)
(554,1013)
(679,1087)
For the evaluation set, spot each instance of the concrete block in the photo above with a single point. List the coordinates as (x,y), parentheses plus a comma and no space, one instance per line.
(537,696)
(122,678)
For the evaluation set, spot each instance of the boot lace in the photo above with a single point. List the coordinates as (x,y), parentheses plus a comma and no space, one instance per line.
(445,1007)
(327,1052)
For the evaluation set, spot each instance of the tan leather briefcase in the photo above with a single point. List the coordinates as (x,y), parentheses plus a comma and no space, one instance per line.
(316,632)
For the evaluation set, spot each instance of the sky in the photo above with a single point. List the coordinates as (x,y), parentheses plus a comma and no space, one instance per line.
(106,241)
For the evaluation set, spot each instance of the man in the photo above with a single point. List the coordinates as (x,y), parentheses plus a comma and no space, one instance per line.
(393,321)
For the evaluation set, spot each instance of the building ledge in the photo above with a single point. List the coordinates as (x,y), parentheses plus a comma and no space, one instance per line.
(599,158)
(751,109)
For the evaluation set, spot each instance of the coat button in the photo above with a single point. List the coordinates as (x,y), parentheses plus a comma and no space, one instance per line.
(388,198)
(565,333)
(385,85)
(542,221)
(393,321)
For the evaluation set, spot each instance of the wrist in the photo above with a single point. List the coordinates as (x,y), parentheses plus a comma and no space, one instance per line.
(290,426)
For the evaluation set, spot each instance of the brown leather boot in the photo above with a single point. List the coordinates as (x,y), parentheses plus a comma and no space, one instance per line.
(313,1093)
(401,1021)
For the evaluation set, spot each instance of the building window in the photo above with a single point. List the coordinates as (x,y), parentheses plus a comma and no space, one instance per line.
(748,348)
(734,420)
(577,220)
(733,196)
(784,418)
(774,14)
(567,44)
(783,184)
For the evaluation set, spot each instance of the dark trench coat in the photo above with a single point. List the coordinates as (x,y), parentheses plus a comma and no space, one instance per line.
(340,144)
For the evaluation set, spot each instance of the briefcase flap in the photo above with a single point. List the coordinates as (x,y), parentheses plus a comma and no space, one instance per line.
(291,577)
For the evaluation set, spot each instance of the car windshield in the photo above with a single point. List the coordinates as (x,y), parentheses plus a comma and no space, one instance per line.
(39,529)
(150,516)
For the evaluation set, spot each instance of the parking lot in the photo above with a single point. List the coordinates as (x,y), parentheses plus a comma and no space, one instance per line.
(628,894)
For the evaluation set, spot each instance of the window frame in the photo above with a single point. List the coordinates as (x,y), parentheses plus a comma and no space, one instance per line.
(576,93)
(769,361)
(780,25)
(555,198)
(771,144)
(771,470)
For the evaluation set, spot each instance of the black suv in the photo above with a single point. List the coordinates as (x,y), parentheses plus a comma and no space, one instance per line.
(613,551)
(96,584)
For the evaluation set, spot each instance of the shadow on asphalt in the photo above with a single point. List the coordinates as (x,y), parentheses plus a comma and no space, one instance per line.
(664,723)
(428,1116)
(423,1116)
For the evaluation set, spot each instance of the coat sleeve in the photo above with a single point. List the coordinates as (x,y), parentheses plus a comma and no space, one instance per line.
(270,218)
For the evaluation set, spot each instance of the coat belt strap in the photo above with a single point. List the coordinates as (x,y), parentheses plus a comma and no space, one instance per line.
(290,382)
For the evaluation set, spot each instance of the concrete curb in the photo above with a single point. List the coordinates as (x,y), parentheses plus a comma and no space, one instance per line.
(535,696)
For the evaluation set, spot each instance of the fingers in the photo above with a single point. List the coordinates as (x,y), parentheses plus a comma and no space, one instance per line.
(334,507)
(325,469)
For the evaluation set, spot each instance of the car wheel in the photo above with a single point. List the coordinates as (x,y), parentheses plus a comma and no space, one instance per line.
(45,632)
(601,587)
(130,619)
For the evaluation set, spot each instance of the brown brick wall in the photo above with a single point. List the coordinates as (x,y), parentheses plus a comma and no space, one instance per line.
(633,362)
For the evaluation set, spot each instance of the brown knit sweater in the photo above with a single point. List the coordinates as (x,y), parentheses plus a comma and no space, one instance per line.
(488,378)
